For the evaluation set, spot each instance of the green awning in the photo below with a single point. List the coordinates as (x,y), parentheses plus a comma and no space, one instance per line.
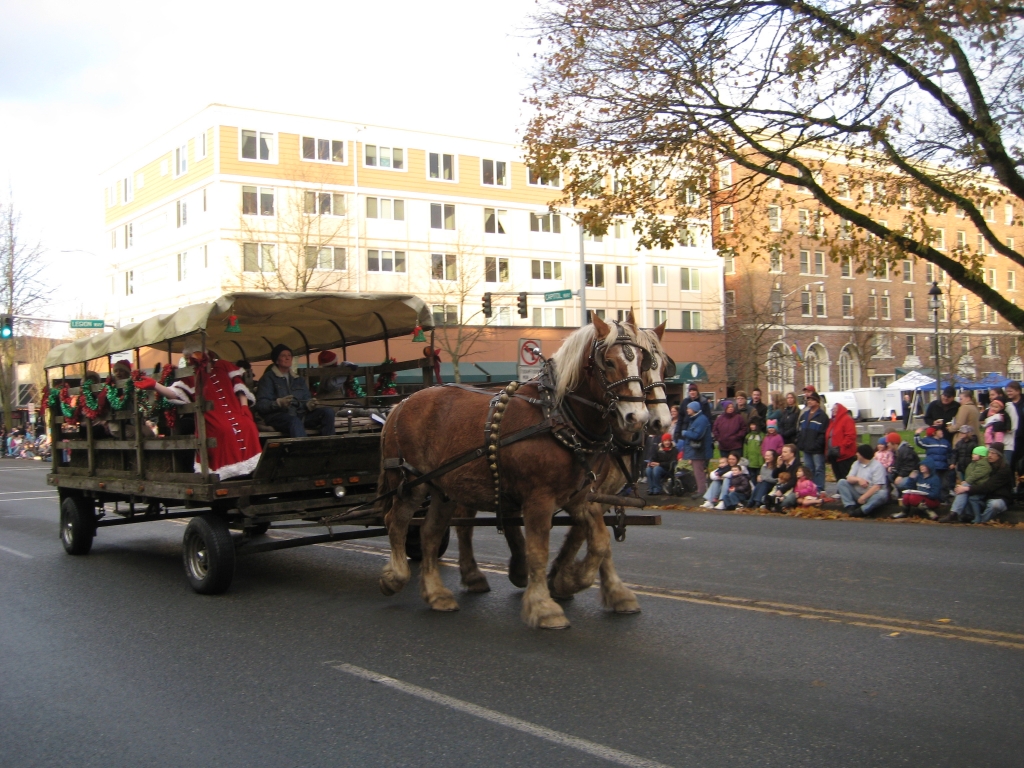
(470,374)
(688,372)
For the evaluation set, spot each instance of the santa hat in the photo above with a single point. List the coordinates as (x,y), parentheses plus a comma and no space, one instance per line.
(124,364)
(326,358)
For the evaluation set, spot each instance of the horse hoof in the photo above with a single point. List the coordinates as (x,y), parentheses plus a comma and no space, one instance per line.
(444,604)
(626,610)
(477,583)
(386,589)
(553,622)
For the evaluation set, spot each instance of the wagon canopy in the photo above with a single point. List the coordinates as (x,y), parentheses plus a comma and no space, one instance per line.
(319,320)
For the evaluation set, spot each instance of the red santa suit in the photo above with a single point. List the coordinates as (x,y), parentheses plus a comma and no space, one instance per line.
(238,440)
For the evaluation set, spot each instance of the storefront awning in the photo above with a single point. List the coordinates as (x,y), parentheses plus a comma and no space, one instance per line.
(688,372)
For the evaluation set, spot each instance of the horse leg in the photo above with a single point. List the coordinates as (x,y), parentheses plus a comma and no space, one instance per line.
(432,589)
(564,573)
(614,594)
(539,610)
(517,571)
(396,572)
(473,578)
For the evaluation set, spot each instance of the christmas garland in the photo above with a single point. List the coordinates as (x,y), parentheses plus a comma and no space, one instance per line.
(90,404)
(353,388)
(386,381)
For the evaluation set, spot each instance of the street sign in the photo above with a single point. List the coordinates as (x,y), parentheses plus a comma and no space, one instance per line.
(558,295)
(86,323)
(530,361)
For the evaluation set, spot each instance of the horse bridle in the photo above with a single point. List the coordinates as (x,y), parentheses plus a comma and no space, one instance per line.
(651,363)
(597,350)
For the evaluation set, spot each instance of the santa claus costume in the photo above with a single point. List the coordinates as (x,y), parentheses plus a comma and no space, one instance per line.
(238,440)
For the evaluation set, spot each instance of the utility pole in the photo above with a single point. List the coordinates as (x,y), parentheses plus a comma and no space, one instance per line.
(583,283)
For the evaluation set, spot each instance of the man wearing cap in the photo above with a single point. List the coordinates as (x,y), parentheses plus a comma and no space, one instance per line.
(686,415)
(864,488)
(285,402)
(941,412)
(811,438)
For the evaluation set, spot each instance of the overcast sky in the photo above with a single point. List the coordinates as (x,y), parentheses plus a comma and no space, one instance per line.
(84,83)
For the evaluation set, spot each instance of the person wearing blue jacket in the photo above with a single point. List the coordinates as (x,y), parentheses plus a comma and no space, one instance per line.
(937,452)
(696,444)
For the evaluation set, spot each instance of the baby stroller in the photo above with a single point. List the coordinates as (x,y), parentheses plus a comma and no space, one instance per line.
(682,481)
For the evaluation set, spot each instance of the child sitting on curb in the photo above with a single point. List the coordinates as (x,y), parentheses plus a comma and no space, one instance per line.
(806,491)
(927,491)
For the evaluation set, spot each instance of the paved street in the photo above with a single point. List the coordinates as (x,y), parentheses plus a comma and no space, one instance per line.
(763,641)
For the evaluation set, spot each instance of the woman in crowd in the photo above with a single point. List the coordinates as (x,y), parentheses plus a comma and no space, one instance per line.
(662,465)
(841,441)
(967,416)
(697,445)
(730,430)
(766,479)
(789,419)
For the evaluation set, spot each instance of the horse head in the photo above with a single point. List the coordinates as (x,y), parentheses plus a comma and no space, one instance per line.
(617,360)
(656,367)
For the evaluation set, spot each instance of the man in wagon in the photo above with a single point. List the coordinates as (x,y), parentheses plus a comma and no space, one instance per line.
(285,402)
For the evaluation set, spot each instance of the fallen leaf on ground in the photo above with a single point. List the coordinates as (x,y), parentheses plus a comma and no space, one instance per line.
(944,621)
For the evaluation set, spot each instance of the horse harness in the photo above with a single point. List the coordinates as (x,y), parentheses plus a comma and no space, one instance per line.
(559,419)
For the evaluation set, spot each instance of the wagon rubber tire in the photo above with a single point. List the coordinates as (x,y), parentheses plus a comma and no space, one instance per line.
(414,548)
(77,525)
(208,553)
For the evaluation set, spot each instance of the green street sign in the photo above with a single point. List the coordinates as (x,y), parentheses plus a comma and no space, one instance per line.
(86,323)
(558,295)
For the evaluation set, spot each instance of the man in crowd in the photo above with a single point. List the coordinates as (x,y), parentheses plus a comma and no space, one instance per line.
(686,414)
(742,406)
(759,407)
(942,411)
(994,495)
(811,439)
(1015,410)
(285,402)
(864,488)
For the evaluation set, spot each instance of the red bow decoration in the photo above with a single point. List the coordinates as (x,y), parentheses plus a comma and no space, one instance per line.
(430,352)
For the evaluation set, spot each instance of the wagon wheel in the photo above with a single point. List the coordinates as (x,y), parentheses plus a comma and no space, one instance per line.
(77,525)
(208,554)
(414,549)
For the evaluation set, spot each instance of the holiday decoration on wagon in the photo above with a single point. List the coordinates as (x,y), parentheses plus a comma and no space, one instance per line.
(417,334)
(386,381)
(233,326)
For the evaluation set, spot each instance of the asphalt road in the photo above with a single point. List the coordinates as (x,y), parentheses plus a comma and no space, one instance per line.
(763,641)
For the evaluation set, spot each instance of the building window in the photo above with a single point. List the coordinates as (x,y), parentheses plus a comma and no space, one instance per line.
(729,262)
(992,280)
(1011,280)
(803,221)
(847,305)
(660,316)
(323,203)
(545,222)
(689,278)
(258,257)
(181,212)
(989,211)
(879,270)
(127,191)
(725,175)
(845,230)
(323,150)
(129,239)
(846,266)
(441,166)
(129,282)
(326,258)
(501,316)
(911,341)
(258,201)
(549,317)
(819,304)
(494,221)
(594,274)
(691,320)
(939,239)
(495,270)
(805,303)
(257,145)
(943,345)
(181,160)
(182,266)
(776,301)
(908,307)
(849,373)
(774,259)
(658,275)
(726,218)
(113,238)
(545,270)
(904,195)
(201,146)
(872,306)
(908,271)
(385,208)
(442,216)
(986,315)
(774,218)
(730,303)
(376,156)
(621,275)
(445,314)
(443,266)
(991,343)
(535,179)
(883,307)
(385,261)
(808,267)
(493,173)
(842,188)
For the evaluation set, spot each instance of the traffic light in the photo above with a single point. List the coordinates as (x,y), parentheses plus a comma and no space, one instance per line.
(6,326)
(523,311)
(487,305)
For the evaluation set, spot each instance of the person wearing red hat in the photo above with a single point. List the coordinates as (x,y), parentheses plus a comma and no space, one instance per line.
(661,464)
(336,383)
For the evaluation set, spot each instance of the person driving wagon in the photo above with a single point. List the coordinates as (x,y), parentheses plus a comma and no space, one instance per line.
(285,402)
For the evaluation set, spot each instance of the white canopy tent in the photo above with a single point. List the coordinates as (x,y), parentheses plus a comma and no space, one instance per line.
(913,380)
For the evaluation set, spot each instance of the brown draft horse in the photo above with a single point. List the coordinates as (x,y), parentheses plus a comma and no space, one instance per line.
(596,383)
(568,575)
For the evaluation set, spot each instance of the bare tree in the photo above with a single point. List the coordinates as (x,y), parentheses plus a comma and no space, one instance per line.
(756,308)
(920,104)
(23,291)
(301,247)
(455,279)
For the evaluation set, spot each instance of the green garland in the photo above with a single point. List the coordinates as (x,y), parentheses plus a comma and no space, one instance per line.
(120,403)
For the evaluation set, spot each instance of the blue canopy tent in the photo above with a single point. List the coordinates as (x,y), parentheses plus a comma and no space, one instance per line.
(988,381)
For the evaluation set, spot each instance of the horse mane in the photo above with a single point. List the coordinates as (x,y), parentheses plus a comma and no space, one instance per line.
(649,340)
(567,360)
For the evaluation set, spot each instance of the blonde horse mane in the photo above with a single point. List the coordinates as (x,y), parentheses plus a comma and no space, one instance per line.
(568,369)
(649,340)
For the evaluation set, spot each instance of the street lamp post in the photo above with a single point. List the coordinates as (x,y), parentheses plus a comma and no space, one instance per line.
(934,304)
